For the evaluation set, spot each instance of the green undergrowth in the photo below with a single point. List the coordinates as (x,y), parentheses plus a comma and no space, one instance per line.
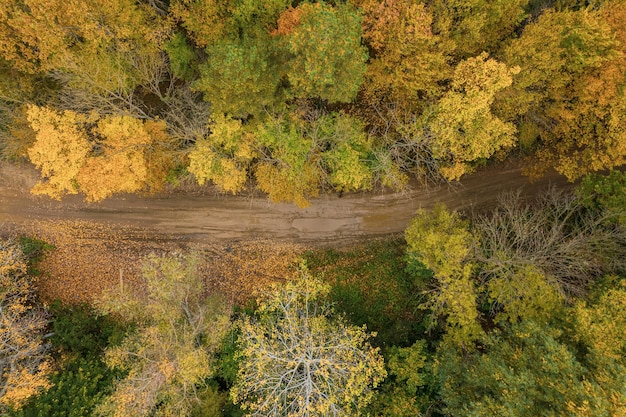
(371,287)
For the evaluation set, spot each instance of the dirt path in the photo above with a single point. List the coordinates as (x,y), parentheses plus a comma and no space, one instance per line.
(219,218)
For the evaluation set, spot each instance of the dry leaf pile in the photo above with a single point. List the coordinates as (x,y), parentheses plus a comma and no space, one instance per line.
(90,257)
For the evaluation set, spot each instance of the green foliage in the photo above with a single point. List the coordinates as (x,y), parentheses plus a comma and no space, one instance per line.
(34,251)
(78,329)
(179,330)
(181,56)
(76,390)
(371,288)
(290,174)
(607,192)
(240,76)
(525,371)
(327,59)
(398,396)
(347,151)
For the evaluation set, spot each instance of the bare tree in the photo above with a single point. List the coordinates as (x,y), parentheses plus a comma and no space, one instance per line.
(296,361)
(555,234)
(23,353)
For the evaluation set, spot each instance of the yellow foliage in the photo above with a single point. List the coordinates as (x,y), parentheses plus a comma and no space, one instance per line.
(526,294)
(225,156)
(408,60)
(59,150)
(121,166)
(170,355)
(296,361)
(463,126)
(24,362)
(100,161)
(282,184)
(442,242)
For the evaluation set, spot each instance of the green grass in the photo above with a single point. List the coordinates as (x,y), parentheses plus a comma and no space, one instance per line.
(371,287)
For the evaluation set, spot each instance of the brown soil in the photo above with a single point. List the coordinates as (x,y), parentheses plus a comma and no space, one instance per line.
(210,217)
(247,242)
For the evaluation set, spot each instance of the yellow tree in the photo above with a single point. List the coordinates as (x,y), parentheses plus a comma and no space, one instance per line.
(120,165)
(408,60)
(99,157)
(295,360)
(569,95)
(24,362)
(463,126)
(441,242)
(169,356)
(225,156)
(59,151)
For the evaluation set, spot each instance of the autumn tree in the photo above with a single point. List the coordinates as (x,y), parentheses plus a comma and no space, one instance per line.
(409,61)
(287,170)
(325,57)
(568,96)
(241,75)
(462,124)
(346,151)
(99,157)
(59,151)
(225,156)
(24,362)
(441,241)
(477,26)
(297,360)
(169,356)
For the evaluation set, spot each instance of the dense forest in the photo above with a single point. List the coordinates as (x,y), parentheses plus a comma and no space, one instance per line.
(513,310)
(293,98)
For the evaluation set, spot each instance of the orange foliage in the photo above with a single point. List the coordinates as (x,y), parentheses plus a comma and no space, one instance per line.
(288,21)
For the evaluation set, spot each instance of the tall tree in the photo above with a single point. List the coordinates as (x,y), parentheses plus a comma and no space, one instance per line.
(225,156)
(324,51)
(296,360)
(462,125)
(169,356)
(99,157)
(440,241)
(569,96)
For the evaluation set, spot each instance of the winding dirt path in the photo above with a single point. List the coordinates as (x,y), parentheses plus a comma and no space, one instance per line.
(210,217)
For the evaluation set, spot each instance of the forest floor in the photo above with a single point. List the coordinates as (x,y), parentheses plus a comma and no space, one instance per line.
(246,241)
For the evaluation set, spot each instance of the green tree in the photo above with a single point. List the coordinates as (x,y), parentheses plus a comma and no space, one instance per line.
(296,360)
(524,370)
(241,75)
(169,357)
(287,170)
(605,192)
(325,55)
